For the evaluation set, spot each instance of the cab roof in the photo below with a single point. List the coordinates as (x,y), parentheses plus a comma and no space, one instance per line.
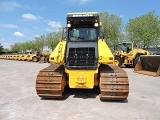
(82,14)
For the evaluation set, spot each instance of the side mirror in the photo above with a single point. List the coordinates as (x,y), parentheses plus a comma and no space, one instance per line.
(64,33)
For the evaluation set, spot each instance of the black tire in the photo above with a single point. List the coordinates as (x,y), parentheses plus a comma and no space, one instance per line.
(135,61)
(118,61)
(45,59)
(127,66)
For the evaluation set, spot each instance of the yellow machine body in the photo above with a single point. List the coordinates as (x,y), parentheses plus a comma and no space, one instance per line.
(57,56)
(29,57)
(14,57)
(105,54)
(82,78)
(24,57)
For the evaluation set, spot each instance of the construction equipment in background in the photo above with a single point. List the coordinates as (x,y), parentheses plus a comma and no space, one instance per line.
(20,57)
(128,55)
(82,63)
(24,57)
(14,56)
(32,56)
(41,57)
(37,56)
(149,65)
(44,57)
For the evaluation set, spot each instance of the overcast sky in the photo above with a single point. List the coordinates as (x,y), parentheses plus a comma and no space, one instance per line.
(23,20)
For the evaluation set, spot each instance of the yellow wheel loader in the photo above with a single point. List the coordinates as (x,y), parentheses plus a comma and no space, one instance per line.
(82,60)
(128,55)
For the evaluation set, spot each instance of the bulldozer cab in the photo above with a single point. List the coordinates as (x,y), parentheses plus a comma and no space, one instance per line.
(82,40)
(125,47)
(82,26)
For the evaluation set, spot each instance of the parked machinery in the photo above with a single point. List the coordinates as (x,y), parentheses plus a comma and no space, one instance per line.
(82,60)
(24,57)
(32,56)
(128,55)
(44,57)
(28,56)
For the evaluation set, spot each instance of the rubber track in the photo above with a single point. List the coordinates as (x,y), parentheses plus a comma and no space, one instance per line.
(51,81)
(114,83)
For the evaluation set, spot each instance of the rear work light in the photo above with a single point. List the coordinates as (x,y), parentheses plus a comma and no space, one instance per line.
(111,58)
(52,58)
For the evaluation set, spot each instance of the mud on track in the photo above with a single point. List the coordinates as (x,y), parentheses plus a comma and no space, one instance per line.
(19,101)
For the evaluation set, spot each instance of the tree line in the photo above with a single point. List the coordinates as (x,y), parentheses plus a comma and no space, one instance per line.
(144,29)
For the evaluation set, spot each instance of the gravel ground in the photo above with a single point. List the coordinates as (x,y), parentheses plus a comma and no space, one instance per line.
(19,101)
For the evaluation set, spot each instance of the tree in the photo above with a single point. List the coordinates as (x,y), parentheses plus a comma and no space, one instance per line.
(6,50)
(30,45)
(40,42)
(144,29)
(49,40)
(16,47)
(52,39)
(1,48)
(111,28)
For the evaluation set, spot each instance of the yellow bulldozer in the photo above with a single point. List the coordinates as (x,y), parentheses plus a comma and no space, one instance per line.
(128,55)
(82,60)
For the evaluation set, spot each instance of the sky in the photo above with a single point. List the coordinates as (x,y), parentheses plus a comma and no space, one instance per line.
(23,20)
